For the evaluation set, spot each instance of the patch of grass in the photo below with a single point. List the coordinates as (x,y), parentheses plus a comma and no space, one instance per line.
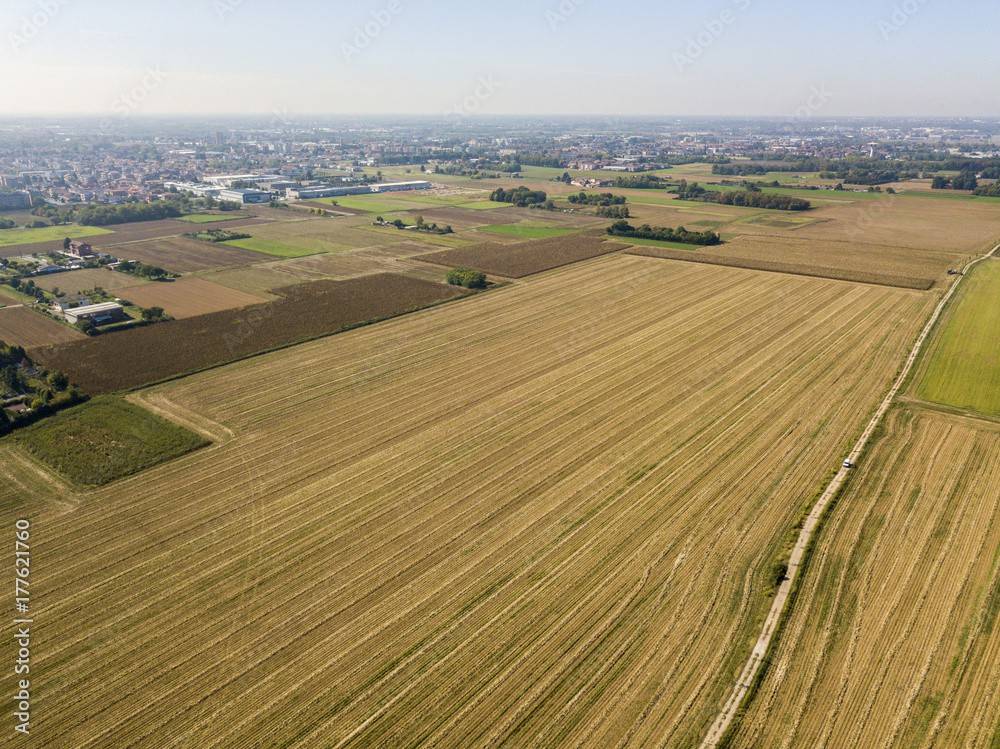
(105,439)
(662,243)
(526,231)
(271,247)
(963,365)
(374,203)
(209,218)
(10,237)
(483,205)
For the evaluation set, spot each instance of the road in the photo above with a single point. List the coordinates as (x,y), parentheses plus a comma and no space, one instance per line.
(778,607)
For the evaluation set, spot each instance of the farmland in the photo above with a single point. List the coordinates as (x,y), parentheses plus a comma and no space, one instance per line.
(893,640)
(209,218)
(139,356)
(505,521)
(525,258)
(188,296)
(76,281)
(28,328)
(962,368)
(10,237)
(105,439)
(183,255)
(525,231)
(272,247)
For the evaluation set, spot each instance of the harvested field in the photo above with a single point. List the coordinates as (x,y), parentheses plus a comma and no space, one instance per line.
(893,639)
(170,227)
(524,258)
(47,234)
(135,357)
(28,328)
(183,255)
(543,517)
(962,366)
(188,297)
(75,281)
(844,274)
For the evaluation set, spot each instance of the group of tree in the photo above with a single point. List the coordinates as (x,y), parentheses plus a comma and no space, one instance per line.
(103,215)
(521,197)
(44,391)
(143,270)
(641,182)
(6,223)
(750,168)
(420,225)
(27,287)
(541,159)
(991,190)
(749,197)
(964,180)
(218,235)
(467,277)
(591,198)
(613,211)
(664,234)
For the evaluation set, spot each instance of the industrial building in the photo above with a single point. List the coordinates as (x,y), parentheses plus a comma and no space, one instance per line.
(331,191)
(99,314)
(201,190)
(245,196)
(228,180)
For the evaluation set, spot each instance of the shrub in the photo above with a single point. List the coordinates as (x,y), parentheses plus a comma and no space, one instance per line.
(470,279)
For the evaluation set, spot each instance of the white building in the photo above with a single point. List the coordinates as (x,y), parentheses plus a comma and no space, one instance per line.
(244,196)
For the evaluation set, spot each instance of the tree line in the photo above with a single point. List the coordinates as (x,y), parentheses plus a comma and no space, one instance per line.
(751,197)
(664,234)
(522,197)
(603,198)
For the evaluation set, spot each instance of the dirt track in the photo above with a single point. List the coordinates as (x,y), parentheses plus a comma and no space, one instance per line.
(750,671)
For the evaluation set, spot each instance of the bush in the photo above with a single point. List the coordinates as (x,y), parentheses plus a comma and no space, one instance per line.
(663,234)
(470,279)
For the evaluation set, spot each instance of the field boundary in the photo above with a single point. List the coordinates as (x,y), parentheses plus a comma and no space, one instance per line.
(755,667)
(878,279)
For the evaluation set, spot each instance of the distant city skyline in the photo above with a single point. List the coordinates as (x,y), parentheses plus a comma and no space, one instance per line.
(421,57)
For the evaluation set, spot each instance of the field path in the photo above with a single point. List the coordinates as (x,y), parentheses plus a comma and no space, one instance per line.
(752,667)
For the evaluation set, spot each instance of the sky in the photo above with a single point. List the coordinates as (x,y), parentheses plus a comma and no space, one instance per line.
(438,57)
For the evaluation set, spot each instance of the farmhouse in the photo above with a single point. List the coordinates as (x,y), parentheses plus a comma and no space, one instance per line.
(99,314)
(80,249)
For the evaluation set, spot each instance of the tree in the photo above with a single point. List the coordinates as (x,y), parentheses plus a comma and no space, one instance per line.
(152,313)
(467,277)
(58,380)
(66,243)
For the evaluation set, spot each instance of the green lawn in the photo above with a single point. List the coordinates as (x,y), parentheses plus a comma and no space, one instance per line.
(105,439)
(962,366)
(272,247)
(526,231)
(10,237)
(374,203)
(209,218)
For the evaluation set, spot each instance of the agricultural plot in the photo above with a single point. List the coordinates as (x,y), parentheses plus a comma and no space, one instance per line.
(962,365)
(28,328)
(313,236)
(893,640)
(545,516)
(526,231)
(183,255)
(104,439)
(188,297)
(525,258)
(76,281)
(210,218)
(715,256)
(13,237)
(130,358)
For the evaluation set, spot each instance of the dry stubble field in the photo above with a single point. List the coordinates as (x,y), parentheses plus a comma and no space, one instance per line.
(893,640)
(545,516)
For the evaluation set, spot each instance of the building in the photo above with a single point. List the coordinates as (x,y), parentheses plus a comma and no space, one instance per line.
(330,191)
(228,180)
(245,196)
(99,314)
(19,199)
(80,249)
(201,190)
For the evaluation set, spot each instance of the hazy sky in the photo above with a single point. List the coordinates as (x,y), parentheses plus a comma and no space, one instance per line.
(738,57)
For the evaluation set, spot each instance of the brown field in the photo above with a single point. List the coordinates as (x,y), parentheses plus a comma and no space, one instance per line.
(893,640)
(170,227)
(795,249)
(183,255)
(28,328)
(187,297)
(130,358)
(75,281)
(543,517)
(716,257)
(525,258)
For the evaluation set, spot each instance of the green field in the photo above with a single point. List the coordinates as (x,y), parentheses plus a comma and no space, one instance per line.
(10,237)
(962,367)
(373,203)
(659,243)
(209,218)
(105,439)
(272,247)
(526,231)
